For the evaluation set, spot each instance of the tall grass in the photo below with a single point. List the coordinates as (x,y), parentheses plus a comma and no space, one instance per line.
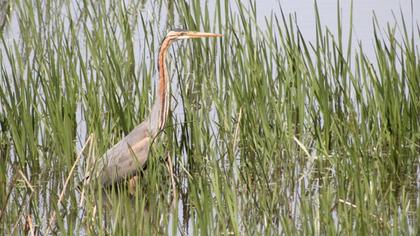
(269,133)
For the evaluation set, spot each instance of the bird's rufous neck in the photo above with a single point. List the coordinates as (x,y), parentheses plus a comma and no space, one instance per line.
(163,82)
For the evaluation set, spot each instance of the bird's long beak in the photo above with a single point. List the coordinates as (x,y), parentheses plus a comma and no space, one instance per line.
(193,35)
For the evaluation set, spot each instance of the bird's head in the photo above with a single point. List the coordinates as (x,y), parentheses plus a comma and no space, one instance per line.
(185,34)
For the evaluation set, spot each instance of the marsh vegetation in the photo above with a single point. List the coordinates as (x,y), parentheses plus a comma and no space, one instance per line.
(269,133)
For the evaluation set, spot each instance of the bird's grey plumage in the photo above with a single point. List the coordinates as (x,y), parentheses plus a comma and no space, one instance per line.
(127,156)
(130,153)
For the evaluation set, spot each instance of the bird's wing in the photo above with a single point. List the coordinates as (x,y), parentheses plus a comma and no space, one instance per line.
(125,157)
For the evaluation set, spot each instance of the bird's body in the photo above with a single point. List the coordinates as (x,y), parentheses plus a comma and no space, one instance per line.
(127,156)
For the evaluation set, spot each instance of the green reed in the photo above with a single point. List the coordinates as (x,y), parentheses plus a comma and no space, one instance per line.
(269,133)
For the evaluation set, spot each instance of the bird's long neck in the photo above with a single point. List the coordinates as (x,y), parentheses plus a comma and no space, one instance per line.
(160,107)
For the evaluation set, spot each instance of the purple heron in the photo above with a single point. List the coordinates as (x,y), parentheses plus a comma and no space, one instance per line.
(126,157)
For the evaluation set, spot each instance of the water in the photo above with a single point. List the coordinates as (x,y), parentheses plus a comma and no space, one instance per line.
(387,11)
